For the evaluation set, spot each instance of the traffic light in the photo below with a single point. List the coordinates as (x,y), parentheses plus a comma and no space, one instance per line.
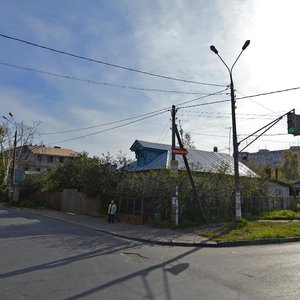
(293,122)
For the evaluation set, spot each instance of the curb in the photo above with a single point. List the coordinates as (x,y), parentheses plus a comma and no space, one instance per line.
(181,243)
(206,244)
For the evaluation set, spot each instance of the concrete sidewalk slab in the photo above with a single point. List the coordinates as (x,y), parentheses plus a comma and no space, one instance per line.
(145,233)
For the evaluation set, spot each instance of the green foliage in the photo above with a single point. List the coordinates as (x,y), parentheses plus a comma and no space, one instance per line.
(91,176)
(32,183)
(97,177)
(289,168)
(280,215)
(254,192)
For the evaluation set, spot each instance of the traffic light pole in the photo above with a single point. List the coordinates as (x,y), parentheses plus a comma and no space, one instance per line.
(268,127)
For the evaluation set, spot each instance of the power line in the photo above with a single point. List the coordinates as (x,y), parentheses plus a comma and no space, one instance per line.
(199,98)
(106,63)
(203,104)
(219,115)
(119,121)
(265,107)
(269,93)
(97,82)
(108,129)
(109,123)
(159,112)
(225,113)
(224,136)
(241,98)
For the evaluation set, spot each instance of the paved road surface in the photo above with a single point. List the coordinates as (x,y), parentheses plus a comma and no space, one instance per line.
(42,258)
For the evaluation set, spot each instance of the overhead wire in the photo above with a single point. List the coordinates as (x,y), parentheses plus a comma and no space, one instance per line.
(98,82)
(240,98)
(269,93)
(106,63)
(158,112)
(126,119)
(224,136)
(200,98)
(180,107)
(108,129)
(108,123)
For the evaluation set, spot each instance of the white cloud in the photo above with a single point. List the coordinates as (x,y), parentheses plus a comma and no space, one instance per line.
(164,37)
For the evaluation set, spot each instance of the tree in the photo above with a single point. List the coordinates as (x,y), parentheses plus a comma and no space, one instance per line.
(289,167)
(89,175)
(25,136)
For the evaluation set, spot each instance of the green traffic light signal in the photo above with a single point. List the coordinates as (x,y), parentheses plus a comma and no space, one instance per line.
(292,123)
(291,130)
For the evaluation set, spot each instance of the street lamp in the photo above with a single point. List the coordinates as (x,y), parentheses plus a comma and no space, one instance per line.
(14,150)
(237,194)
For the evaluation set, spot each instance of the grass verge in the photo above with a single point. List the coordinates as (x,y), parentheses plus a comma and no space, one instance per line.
(280,215)
(245,230)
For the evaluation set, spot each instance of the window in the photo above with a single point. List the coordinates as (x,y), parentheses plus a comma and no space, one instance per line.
(61,159)
(39,158)
(50,159)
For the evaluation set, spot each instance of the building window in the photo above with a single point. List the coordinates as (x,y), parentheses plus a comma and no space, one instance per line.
(61,159)
(39,158)
(50,159)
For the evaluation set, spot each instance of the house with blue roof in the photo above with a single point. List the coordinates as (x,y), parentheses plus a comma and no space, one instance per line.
(155,156)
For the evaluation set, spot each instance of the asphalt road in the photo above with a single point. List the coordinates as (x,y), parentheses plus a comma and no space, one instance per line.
(42,258)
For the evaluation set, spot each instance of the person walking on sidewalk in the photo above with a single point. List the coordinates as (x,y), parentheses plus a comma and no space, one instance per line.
(112,208)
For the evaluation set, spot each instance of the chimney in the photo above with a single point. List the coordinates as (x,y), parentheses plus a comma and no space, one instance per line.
(215,149)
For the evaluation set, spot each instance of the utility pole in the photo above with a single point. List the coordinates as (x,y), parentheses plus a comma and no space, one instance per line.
(201,212)
(13,122)
(174,166)
(174,170)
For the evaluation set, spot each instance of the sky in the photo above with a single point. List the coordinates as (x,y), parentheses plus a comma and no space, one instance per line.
(105,84)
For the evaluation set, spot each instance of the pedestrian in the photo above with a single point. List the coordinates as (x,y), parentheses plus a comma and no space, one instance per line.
(112,208)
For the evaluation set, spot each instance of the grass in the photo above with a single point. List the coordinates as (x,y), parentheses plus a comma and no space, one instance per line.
(245,230)
(280,215)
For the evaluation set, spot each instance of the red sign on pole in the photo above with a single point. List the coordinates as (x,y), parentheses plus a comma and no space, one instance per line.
(179,151)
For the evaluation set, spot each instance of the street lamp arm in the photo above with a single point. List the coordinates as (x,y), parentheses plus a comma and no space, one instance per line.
(13,122)
(234,131)
(246,44)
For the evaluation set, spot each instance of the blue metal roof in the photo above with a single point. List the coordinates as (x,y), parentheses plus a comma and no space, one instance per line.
(199,160)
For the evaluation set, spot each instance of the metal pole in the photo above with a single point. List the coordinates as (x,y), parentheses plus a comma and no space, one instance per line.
(237,193)
(14,161)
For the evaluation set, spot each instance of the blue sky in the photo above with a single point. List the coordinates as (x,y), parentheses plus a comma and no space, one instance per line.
(166,37)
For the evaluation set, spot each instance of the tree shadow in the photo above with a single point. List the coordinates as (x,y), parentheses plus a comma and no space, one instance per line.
(175,270)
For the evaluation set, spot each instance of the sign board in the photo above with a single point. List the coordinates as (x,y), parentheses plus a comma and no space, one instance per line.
(179,151)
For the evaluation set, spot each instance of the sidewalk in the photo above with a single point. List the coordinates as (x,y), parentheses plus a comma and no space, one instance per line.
(144,233)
